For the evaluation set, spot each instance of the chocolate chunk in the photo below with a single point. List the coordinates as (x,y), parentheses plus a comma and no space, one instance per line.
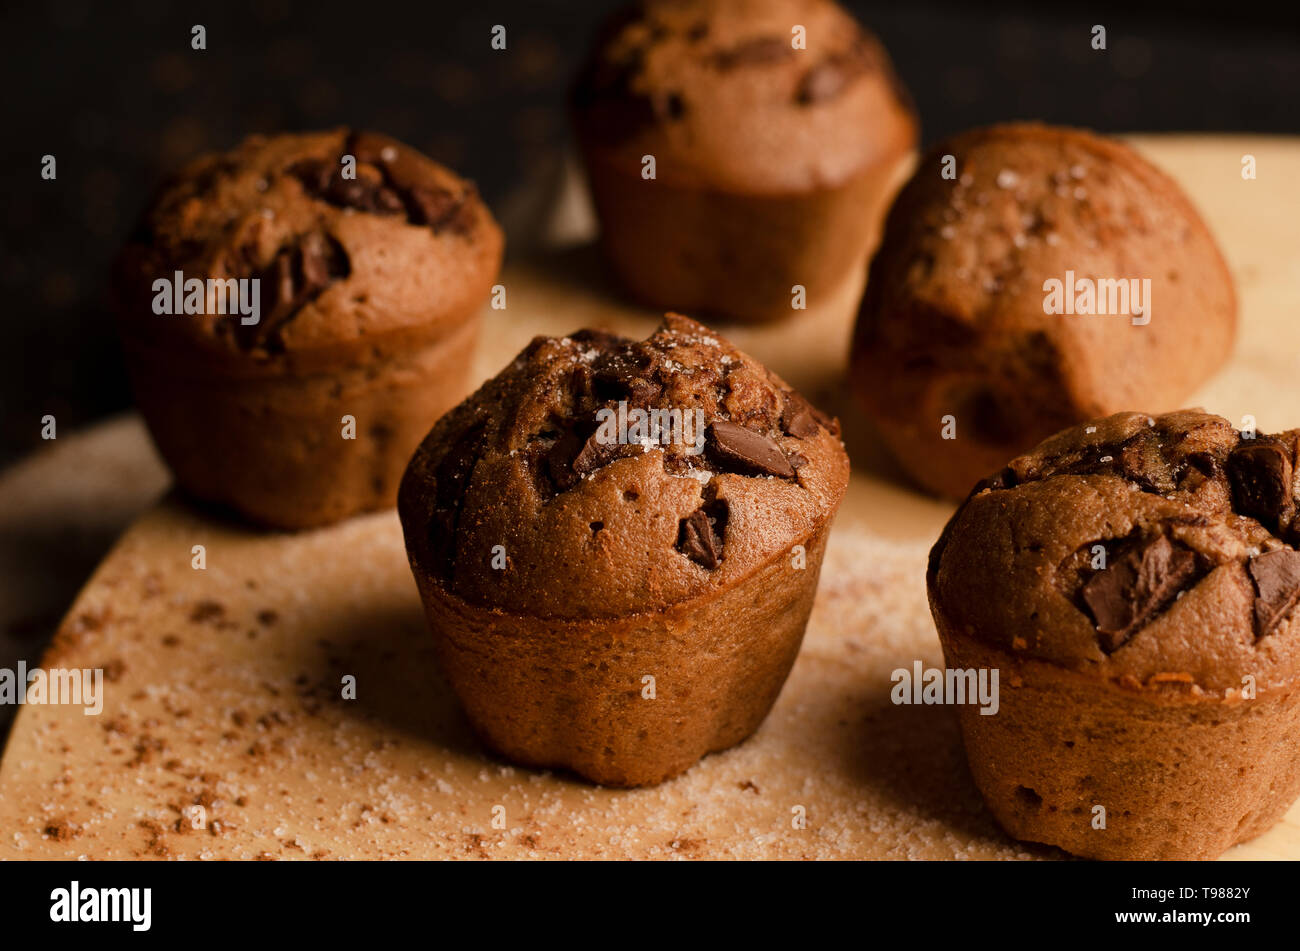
(1277,586)
(314,263)
(318,260)
(1133,588)
(296,275)
(1142,460)
(441,209)
(1204,463)
(755,52)
(376,190)
(700,535)
(801,424)
(642,392)
(596,455)
(1260,472)
(746,451)
(623,374)
(797,417)
(323,180)
(577,454)
(429,206)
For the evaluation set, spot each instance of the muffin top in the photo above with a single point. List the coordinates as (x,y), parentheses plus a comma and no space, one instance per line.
(718,92)
(1157,552)
(400,249)
(597,513)
(957,308)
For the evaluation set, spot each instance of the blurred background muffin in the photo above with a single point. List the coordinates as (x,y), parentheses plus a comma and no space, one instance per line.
(297,312)
(738,149)
(1031,277)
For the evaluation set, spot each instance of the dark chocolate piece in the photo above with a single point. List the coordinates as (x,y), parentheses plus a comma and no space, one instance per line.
(1132,589)
(296,275)
(1260,472)
(700,535)
(377,191)
(746,451)
(1141,459)
(1277,586)
(797,418)
(323,180)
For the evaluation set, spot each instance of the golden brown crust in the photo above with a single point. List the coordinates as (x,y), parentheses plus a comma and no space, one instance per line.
(591,530)
(954,322)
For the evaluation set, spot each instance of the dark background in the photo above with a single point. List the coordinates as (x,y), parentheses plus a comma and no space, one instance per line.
(115,92)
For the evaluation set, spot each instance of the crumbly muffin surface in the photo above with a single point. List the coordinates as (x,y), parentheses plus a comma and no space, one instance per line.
(1157,552)
(519,500)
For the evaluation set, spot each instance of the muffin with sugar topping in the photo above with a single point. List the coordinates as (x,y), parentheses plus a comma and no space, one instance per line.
(618,543)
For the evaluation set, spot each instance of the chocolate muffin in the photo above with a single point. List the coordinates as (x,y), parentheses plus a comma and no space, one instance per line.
(296,313)
(774,150)
(607,596)
(1134,581)
(974,340)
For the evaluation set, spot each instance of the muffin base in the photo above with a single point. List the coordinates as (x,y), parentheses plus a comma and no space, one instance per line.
(271,447)
(1180,776)
(572,694)
(732,255)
